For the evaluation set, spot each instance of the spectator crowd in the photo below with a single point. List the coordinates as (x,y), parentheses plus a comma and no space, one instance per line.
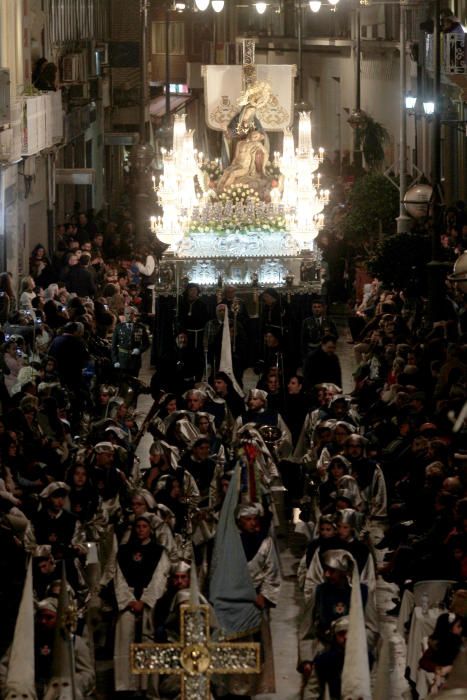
(116,515)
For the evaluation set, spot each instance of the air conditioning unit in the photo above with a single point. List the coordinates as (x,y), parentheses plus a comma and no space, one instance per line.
(4,96)
(80,92)
(72,68)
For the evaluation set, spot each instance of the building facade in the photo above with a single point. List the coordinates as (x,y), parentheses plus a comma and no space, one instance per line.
(65,150)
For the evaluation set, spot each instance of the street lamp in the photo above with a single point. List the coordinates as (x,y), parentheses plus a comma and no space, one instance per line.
(428,107)
(333,2)
(217,5)
(410,102)
(261,7)
(315,5)
(202,5)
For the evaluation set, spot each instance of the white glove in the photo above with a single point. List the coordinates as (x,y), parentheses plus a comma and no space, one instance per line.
(135,352)
(117,365)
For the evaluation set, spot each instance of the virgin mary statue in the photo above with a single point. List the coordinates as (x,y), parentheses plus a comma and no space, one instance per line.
(252,98)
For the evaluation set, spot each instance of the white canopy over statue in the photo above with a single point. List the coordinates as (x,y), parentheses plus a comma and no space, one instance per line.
(224,84)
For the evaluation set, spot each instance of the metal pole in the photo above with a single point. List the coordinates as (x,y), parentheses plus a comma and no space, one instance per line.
(403,221)
(144,70)
(300,50)
(167,66)
(436,269)
(358,158)
(142,153)
(214,35)
(358,76)
(436,133)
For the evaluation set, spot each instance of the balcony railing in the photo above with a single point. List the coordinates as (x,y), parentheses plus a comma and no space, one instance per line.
(77,20)
(42,122)
(453,53)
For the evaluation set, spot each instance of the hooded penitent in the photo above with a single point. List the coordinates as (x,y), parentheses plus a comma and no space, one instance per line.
(356,671)
(225,364)
(62,682)
(20,679)
(231,590)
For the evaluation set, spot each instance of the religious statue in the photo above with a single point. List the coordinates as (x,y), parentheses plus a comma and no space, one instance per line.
(249,164)
(254,97)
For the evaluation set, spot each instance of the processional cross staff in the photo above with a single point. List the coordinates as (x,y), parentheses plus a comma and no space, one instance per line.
(195,657)
(248,63)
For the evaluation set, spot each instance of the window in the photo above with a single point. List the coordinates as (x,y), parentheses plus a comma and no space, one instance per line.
(176,38)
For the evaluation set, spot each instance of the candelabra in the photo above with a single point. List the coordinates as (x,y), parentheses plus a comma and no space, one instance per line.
(302,196)
(176,190)
(298,207)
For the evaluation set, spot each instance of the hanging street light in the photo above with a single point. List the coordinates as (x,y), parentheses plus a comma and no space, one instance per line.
(429,107)
(410,102)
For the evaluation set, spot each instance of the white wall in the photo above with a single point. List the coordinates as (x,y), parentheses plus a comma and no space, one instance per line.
(333,96)
(11,41)
(381,96)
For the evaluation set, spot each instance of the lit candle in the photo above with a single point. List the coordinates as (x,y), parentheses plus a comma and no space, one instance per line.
(304,133)
(321,153)
(275,195)
(179,134)
(288,150)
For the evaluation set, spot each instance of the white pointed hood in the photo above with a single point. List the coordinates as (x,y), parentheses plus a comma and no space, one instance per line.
(383,685)
(225,364)
(20,678)
(356,671)
(62,679)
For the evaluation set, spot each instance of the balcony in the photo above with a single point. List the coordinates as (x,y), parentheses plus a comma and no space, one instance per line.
(453,54)
(11,138)
(42,122)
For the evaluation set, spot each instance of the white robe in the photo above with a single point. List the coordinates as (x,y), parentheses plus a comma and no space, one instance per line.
(126,623)
(374,496)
